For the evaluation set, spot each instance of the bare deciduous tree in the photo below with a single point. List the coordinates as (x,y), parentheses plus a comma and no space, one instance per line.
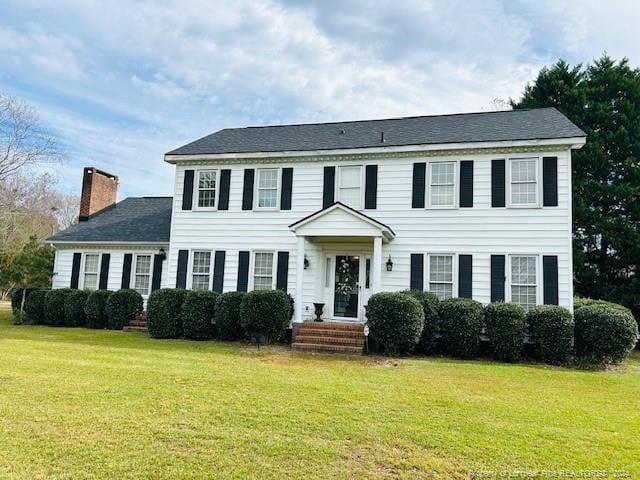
(23,140)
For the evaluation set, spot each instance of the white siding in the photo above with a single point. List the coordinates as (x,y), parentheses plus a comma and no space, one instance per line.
(63,263)
(479,231)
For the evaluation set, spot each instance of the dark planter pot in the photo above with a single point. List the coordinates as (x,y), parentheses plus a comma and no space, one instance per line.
(318,308)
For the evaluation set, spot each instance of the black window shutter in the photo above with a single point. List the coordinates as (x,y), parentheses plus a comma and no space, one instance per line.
(181,277)
(75,270)
(287,186)
(126,270)
(497,278)
(497,183)
(223,197)
(550,279)
(465,275)
(243,271)
(104,271)
(282,276)
(187,190)
(417,272)
(218,270)
(371,187)
(466,183)
(247,189)
(419,173)
(157,272)
(550,181)
(328,186)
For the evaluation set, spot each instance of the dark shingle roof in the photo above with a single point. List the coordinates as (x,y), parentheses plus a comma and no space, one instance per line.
(134,219)
(542,123)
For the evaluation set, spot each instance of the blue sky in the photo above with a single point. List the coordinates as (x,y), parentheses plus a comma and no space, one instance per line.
(122,83)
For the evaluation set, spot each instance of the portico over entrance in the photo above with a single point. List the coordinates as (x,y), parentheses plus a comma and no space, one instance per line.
(349,246)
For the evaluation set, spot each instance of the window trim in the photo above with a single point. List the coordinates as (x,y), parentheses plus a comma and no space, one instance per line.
(134,264)
(82,269)
(454,271)
(252,268)
(456,186)
(196,190)
(338,176)
(538,170)
(256,189)
(508,280)
(192,253)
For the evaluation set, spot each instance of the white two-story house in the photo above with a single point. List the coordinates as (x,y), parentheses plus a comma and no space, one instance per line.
(472,205)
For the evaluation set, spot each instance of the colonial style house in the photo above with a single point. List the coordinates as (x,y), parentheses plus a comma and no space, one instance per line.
(472,205)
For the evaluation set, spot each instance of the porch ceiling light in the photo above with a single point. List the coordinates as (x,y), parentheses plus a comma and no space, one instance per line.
(389,264)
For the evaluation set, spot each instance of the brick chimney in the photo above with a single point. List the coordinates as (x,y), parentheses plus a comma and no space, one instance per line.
(99,190)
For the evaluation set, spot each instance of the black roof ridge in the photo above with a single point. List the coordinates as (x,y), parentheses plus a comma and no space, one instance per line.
(409,117)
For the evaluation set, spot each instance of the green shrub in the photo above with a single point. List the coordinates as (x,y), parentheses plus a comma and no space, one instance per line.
(74,304)
(34,306)
(580,302)
(505,324)
(604,334)
(54,306)
(164,312)
(461,324)
(122,307)
(198,315)
(96,308)
(552,330)
(19,316)
(265,313)
(395,321)
(431,331)
(227,316)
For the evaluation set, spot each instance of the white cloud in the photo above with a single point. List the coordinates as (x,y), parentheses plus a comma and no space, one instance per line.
(124,83)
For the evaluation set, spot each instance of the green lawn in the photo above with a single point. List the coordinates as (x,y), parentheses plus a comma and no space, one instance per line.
(78,403)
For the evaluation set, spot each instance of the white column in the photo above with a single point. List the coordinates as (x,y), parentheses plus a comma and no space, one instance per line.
(299,279)
(377,265)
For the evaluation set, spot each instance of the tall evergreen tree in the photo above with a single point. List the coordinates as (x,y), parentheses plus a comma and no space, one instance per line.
(604,100)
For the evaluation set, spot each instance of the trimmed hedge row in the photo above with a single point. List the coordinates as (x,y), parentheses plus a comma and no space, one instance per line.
(396,321)
(505,327)
(552,330)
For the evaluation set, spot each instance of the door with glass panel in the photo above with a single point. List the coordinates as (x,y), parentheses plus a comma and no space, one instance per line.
(346,287)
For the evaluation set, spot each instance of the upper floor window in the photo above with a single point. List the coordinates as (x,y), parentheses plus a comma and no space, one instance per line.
(207,188)
(200,270)
(524,181)
(441,275)
(263,271)
(91,268)
(442,184)
(524,280)
(142,274)
(350,186)
(268,187)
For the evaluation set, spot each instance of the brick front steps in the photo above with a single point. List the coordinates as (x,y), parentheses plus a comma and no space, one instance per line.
(137,325)
(328,337)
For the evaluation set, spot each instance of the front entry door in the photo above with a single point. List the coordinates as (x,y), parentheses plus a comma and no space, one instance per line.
(346,298)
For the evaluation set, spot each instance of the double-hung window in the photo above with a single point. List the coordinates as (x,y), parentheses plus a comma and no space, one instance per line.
(524,182)
(142,274)
(207,188)
(349,186)
(200,270)
(524,280)
(441,275)
(442,184)
(91,268)
(268,187)
(263,271)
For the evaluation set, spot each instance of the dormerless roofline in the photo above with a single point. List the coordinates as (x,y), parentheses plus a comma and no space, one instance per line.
(569,142)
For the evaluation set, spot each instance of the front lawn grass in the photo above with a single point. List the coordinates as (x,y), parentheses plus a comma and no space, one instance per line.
(77,403)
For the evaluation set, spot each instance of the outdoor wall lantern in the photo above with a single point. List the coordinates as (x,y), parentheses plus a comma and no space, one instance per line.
(389,264)
(306,262)
(162,254)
